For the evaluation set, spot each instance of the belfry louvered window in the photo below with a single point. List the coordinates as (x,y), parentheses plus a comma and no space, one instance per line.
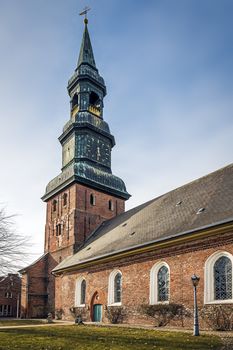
(117,288)
(223,279)
(163,284)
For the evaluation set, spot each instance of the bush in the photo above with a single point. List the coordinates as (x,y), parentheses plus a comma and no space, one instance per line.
(58,314)
(115,314)
(164,313)
(218,317)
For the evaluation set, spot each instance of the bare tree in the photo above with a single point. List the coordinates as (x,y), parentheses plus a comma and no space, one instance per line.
(13,246)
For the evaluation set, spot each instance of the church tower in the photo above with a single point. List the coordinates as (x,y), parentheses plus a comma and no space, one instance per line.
(85,193)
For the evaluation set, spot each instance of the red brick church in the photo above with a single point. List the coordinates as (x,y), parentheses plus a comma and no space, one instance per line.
(101,262)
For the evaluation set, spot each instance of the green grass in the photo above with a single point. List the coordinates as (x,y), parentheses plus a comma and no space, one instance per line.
(19,322)
(102,338)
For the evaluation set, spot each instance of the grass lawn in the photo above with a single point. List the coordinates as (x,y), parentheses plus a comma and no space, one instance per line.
(19,322)
(101,338)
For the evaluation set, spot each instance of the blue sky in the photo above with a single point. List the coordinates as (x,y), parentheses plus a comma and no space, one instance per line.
(168,69)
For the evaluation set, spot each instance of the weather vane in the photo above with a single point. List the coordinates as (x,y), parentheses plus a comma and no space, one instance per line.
(84,12)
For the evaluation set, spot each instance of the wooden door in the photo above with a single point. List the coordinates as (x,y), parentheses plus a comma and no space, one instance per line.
(97,312)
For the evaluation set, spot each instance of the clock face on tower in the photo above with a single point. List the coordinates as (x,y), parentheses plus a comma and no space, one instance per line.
(68,151)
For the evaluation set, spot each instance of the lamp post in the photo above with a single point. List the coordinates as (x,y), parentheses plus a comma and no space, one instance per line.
(195,281)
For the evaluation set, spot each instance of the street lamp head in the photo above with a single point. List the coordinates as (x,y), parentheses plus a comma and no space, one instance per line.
(195,280)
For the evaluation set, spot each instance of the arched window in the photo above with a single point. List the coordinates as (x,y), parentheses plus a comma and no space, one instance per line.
(159,283)
(218,278)
(223,278)
(110,205)
(115,288)
(94,99)
(83,292)
(65,199)
(58,229)
(92,199)
(74,101)
(54,204)
(80,292)
(163,283)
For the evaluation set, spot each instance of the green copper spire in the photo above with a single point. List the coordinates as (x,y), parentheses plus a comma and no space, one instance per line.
(86,53)
(86,138)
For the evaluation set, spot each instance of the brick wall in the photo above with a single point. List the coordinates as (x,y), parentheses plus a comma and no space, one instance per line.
(10,286)
(77,218)
(183,261)
(34,290)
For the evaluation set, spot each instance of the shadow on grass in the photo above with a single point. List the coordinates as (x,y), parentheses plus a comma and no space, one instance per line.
(19,322)
(102,338)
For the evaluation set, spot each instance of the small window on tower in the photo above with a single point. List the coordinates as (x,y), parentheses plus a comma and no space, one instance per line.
(110,205)
(54,205)
(92,199)
(58,229)
(65,199)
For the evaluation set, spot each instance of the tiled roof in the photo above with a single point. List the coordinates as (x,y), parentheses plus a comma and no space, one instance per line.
(201,203)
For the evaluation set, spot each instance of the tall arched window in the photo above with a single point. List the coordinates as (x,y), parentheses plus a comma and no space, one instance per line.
(92,199)
(223,278)
(54,205)
(65,195)
(110,205)
(94,99)
(80,292)
(83,292)
(163,283)
(74,101)
(218,278)
(159,283)
(115,288)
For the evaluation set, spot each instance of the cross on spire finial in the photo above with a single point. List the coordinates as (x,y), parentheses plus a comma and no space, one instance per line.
(84,12)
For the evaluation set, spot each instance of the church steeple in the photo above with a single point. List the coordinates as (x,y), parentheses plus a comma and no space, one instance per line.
(86,139)
(86,87)
(86,53)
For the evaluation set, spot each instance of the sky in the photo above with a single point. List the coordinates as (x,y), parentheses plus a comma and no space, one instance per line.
(168,70)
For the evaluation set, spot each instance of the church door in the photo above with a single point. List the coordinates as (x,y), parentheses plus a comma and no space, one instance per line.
(97,312)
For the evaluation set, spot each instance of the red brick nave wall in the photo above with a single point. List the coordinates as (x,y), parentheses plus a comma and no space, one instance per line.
(183,260)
